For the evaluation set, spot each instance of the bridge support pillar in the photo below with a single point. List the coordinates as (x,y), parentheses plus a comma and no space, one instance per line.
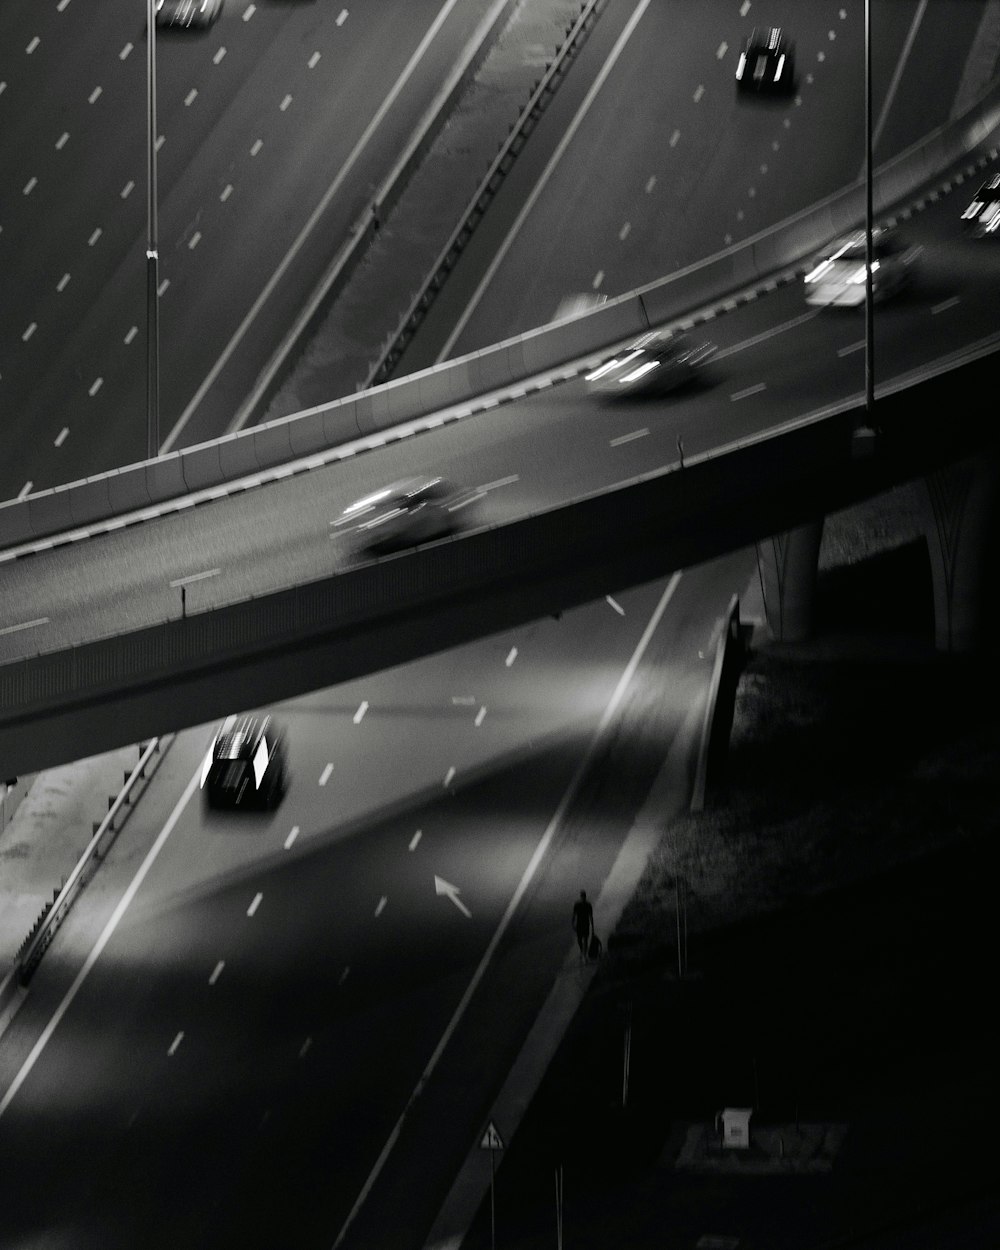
(788,564)
(960,522)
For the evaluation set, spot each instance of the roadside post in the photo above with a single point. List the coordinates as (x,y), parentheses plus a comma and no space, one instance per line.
(492,1142)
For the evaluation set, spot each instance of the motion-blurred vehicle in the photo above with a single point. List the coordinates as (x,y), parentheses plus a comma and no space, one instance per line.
(766,65)
(186,14)
(655,364)
(838,278)
(406,513)
(983,214)
(246,764)
(573,306)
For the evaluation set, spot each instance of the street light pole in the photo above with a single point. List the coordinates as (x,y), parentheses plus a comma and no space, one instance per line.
(863,441)
(152,256)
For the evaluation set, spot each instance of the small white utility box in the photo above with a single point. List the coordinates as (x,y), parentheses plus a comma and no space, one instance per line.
(736,1127)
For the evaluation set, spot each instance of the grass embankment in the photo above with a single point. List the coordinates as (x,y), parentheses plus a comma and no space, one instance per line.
(838,905)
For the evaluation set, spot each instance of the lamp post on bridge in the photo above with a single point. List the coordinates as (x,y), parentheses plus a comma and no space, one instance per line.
(864,435)
(152,255)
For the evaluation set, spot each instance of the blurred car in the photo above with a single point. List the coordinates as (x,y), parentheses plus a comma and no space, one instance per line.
(838,278)
(406,513)
(655,364)
(246,764)
(983,214)
(767,63)
(198,14)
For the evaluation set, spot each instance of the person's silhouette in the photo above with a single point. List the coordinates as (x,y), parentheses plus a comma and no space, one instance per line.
(583,923)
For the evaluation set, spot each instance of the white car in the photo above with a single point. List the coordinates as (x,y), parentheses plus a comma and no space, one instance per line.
(838,278)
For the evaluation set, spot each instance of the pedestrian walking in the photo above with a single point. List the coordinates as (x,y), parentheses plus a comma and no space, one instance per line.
(583,923)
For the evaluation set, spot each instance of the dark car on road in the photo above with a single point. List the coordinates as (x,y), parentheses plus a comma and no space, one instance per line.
(655,364)
(766,64)
(246,765)
(982,217)
(187,14)
(405,513)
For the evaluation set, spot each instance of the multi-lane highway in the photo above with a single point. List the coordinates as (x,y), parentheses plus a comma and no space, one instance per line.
(239,1052)
(275,128)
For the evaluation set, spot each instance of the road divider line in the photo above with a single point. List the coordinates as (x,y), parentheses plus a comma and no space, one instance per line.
(252,909)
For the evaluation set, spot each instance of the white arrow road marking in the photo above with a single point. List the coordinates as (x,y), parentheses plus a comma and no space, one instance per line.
(445,887)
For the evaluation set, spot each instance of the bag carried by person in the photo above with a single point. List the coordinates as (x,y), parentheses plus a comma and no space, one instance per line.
(595,948)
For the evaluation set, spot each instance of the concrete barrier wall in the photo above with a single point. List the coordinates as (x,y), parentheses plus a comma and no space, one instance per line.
(498,367)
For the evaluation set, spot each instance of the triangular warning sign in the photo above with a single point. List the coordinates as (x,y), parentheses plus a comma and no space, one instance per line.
(491,1138)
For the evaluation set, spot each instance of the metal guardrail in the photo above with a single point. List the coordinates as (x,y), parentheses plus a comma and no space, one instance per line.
(46,926)
(484,194)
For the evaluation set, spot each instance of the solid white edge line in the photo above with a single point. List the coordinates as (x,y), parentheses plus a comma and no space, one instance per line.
(102,941)
(515,900)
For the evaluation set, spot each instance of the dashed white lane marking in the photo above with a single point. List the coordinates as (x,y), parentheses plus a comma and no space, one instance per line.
(380,906)
(344,975)
(62,283)
(248,12)
(650,183)
(29,331)
(160,141)
(359,714)
(127,189)
(190,98)
(32,45)
(511,656)
(285,103)
(449,776)
(313,60)
(176,1042)
(133,331)
(124,54)
(744,8)
(945,304)
(304,1048)
(218,56)
(480,717)
(675,138)
(341,17)
(615,604)
(25,489)
(94,237)
(194,240)
(163,286)
(624,231)
(30,185)
(194,577)
(216,972)
(598,279)
(324,776)
(293,833)
(13,629)
(61,5)
(62,436)
(251,910)
(415,839)
(698,93)
(94,96)
(627,438)
(256,146)
(750,390)
(226,192)
(721,50)
(95,386)
(62,141)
